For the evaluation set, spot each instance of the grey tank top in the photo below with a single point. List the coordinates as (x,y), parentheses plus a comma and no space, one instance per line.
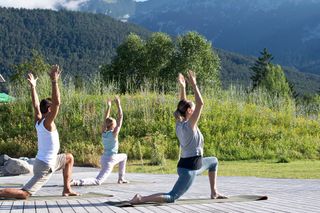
(191,142)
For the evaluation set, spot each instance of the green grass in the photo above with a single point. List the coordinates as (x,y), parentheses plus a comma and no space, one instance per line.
(302,169)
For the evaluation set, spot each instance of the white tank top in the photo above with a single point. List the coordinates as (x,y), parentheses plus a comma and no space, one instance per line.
(48,144)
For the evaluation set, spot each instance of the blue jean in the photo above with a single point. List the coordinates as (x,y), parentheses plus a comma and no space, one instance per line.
(186,178)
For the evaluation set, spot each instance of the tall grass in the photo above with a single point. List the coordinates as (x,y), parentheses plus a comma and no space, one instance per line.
(236,125)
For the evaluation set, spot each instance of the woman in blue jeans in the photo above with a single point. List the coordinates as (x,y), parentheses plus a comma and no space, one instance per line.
(191,162)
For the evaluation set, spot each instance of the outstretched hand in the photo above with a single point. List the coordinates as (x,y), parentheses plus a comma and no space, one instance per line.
(108,102)
(192,78)
(55,72)
(117,100)
(181,80)
(32,80)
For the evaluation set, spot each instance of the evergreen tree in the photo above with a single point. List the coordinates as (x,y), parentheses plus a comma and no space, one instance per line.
(260,67)
(275,81)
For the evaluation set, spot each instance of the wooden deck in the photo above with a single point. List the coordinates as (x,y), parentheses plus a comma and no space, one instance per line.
(285,195)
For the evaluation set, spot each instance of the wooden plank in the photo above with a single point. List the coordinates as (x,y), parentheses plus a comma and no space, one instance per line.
(113,208)
(143,209)
(41,206)
(156,209)
(17,206)
(52,206)
(6,206)
(29,207)
(97,203)
(168,208)
(180,208)
(65,206)
(77,206)
(88,206)
(194,208)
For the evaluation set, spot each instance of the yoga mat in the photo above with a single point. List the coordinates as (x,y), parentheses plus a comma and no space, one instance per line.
(60,197)
(6,185)
(231,199)
(133,182)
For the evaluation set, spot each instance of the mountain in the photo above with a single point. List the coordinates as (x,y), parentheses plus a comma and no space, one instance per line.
(80,42)
(235,70)
(290,29)
(119,9)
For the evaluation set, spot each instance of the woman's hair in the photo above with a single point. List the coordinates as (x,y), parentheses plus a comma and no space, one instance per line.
(182,108)
(109,122)
(44,105)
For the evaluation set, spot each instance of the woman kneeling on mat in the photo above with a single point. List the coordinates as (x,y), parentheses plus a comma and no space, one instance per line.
(191,141)
(110,157)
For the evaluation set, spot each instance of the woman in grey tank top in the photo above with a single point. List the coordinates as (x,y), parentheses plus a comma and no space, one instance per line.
(191,141)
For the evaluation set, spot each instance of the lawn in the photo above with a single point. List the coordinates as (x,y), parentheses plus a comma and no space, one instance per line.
(303,169)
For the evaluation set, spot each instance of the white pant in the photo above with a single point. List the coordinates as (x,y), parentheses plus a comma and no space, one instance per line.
(107,164)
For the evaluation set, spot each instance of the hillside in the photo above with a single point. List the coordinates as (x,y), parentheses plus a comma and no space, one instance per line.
(81,42)
(290,29)
(235,70)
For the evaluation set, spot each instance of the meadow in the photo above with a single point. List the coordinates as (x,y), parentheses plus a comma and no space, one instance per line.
(236,125)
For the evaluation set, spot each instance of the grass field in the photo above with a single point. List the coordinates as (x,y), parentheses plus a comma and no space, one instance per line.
(306,169)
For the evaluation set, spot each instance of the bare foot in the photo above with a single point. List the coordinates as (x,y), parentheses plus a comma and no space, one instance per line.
(218,196)
(123,181)
(136,199)
(70,193)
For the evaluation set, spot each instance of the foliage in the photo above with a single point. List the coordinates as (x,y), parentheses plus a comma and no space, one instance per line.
(260,68)
(275,81)
(79,42)
(236,126)
(298,169)
(195,52)
(270,77)
(158,60)
(83,42)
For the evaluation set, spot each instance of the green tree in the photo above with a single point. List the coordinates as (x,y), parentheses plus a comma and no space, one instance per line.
(158,60)
(36,65)
(260,68)
(195,52)
(128,66)
(159,52)
(275,81)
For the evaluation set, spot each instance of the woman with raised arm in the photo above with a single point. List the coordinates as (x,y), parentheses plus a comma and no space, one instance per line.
(191,162)
(110,131)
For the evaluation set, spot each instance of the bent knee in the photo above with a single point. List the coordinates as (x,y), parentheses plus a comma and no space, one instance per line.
(69,158)
(168,198)
(214,164)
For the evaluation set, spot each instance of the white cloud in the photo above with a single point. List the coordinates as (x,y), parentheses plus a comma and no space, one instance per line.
(42,4)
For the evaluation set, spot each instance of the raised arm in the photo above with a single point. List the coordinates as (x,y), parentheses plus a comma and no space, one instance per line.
(34,96)
(54,76)
(106,115)
(199,101)
(182,85)
(120,117)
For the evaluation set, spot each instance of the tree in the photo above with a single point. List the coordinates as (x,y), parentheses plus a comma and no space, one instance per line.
(159,52)
(275,81)
(195,52)
(259,68)
(37,65)
(128,65)
(158,60)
